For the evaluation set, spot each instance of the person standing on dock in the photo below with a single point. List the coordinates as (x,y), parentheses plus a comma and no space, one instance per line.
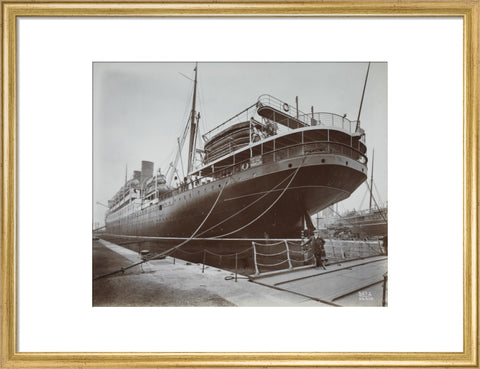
(317,244)
(385,244)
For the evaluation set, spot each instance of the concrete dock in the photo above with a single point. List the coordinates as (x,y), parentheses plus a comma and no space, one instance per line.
(163,283)
(335,284)
(176,282)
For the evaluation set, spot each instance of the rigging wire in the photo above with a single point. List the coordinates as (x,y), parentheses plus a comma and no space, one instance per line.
(202,127)
(187,115)
(336,212)
(378,208)
(188,104)
(205,120)
(180,155)
(180,128)
(378,193)
(363,198)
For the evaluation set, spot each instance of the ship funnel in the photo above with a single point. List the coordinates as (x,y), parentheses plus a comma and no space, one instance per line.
(147,170)
(137,175)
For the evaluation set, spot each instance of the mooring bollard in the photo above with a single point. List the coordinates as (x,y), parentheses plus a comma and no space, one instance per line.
(236,265)
(144,254)
(385,277)
(203,267)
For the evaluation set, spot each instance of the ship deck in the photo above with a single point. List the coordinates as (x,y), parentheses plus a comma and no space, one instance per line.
(177,282)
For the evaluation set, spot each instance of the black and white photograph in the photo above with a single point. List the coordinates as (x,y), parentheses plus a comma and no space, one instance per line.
(240,184)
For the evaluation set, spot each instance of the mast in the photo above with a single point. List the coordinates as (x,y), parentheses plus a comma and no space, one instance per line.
(126,175)
(361,102)
(193,126)
(296,104)
(371,181)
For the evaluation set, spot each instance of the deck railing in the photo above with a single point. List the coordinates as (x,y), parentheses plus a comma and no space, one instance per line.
(320,118)
(244,116)
(282,106)
(294,151)
(287,152)
(332,120)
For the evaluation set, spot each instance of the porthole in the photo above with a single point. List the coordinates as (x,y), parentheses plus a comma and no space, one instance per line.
(346,162)
(323,160)
(290,165)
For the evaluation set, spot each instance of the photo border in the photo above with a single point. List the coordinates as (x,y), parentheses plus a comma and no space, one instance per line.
(467,10)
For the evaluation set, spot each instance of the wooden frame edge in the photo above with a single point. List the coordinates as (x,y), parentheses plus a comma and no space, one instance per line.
(9,179)
(470,177)
(469,10)
(251,8)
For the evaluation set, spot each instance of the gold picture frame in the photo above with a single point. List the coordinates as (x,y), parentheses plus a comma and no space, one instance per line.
(467,10)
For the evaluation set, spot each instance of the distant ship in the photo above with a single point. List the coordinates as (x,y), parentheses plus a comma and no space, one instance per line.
(254,178)
(360,224)
(368,223)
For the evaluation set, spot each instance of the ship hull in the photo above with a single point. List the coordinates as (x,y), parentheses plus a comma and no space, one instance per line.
(269,200)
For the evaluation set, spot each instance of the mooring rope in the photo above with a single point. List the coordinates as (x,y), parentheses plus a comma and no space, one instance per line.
(271,206)
(297,252)
(269,244)
(248,206)
(164,253)
(157,238)
(271,265)
(227,255)
(189,252)
(275,254)
(169,251)
(301,261)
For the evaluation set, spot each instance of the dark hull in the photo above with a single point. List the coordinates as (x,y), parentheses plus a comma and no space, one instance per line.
(371,228)
(241,211)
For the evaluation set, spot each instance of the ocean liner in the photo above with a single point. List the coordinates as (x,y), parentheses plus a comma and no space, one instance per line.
(260,174)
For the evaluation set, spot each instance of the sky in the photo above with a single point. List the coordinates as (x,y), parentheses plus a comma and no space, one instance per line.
(140,109)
